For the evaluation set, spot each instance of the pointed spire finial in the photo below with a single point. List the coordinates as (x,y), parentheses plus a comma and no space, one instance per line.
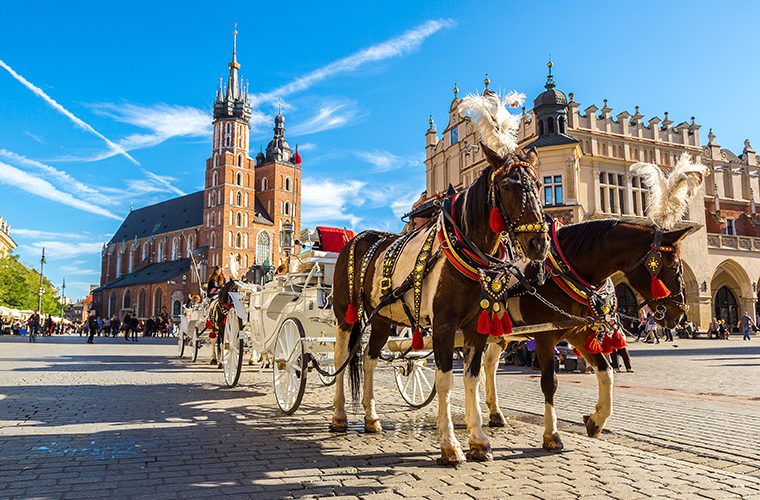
(431,124)
(456,91)
(549,77)
(487,81)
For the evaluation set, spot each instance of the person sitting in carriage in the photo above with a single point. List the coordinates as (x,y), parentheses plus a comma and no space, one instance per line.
(215,282)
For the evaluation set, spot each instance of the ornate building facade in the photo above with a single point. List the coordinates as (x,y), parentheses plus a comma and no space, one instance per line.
(584,161)
(234,222)
(6,242)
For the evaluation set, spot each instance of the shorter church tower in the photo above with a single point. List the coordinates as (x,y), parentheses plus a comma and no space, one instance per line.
(278,177)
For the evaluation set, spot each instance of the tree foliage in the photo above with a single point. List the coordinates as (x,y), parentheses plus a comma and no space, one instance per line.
(19,286)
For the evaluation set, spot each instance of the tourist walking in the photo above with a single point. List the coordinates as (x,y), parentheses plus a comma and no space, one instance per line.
(651,329)
(134,325)
(33,324)
(623,353)
(745,323)
(126,325)
(92,324)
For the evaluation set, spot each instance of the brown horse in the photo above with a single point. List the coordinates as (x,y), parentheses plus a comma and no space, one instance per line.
(595,251)
(440,297)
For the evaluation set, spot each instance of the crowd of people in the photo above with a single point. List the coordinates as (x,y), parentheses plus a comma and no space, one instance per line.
(131,327)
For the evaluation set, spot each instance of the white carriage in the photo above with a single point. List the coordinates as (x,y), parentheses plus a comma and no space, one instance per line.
(193,328)
(290,322)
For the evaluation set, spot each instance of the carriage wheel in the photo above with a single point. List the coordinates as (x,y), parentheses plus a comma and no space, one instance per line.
(196,345)
(232,353)
(327,365)
(289,367)
(416,382)
(180,344)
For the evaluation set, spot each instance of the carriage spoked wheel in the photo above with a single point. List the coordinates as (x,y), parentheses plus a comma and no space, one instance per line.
(180,344)
(415,380)
(290,366)
(328,365)
(232,349)
(196,345)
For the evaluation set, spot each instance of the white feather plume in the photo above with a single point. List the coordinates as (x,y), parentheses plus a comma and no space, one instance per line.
(497,126)
(670,194)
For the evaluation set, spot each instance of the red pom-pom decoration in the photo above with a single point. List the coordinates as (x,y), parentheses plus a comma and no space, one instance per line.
(607,344)
(659,290)
(351,315)
(212,334)
(417,343)
(592,344)
(497,330)
(506,323)
(484,323)
(496,221)
(618,340)
(209,325)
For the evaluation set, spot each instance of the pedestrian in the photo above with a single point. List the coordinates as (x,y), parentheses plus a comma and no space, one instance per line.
(651,330)
(126,325)
(668,334)
(623,353)
(133,326)
(33,324)
(745,322)
(92,325)
(722,330)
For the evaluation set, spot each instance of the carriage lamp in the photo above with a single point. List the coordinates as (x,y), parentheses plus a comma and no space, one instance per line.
(286,237)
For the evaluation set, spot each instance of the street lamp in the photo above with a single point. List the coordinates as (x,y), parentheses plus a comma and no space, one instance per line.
(41,290)
(286,238)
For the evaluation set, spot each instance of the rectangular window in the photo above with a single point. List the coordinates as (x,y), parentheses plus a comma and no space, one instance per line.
(639,195)
(730,227)
(553,195)
(612,191)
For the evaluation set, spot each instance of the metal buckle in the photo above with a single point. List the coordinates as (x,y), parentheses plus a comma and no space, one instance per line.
(385,284)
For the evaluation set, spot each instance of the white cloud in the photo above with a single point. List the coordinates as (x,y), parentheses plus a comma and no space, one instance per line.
(307,146)
(117,149)
(330,114)
(25,181)
(395,47)
(384,161)
(34,137)
(65,249)
(326,201)
(403,204)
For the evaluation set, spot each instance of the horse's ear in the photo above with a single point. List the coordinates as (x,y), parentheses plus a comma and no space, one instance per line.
(492,156)
(676,235)
(532,156)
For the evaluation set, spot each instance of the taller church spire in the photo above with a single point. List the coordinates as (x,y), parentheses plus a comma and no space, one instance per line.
(232,103)
(233,86)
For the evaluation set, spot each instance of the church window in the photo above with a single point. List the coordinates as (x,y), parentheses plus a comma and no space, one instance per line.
(286,208)
(553,195)
(131,261)
(288,183)
(238,240)
(175,248)
(212,241)
(188,246)
(227,135)
(239,179)
(229,238)
(730,227)
(231,218)
(264,184)
(562,128)
(246,200)
(245,238)
(214,179)
(540,128)
(245,261)
(240,161)
(127,304)
(216,159)
(550,126)
(118,264)
(246,219)
(160,252)
(239,220)
(112,304)
(144,253)
(454,135)
(263,247)
(247,180)
(158,302)
(239,199)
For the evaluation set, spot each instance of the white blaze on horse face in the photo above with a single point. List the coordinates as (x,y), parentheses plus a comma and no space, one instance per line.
(404,267)
(443,384)
(340,354)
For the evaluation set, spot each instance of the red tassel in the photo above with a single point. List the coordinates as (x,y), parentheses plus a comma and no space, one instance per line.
(209,325)
(659,290)
(506,323)
(592,344)
(351,315)
(607,344)
(417,343)
(496,221)
(484,323)
(212,334)
(618,340)
(497,329)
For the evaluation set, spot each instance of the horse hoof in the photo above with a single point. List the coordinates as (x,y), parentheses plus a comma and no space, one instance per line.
(451,456)
(497,420)
(553,443)
(372,426)
(339,425)
(480,453)
(592,429)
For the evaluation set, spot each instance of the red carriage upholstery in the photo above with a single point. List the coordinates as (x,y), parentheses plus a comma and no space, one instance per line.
(333,239)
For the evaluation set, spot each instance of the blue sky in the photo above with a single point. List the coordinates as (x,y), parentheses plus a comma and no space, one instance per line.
(104,106)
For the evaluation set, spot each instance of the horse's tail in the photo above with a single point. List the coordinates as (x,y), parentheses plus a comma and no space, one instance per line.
(355,364)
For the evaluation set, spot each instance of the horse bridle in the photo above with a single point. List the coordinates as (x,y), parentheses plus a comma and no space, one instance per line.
(529,189)
(655,252)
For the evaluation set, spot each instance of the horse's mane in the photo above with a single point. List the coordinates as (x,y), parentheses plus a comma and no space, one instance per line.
(477,212)
(582,238)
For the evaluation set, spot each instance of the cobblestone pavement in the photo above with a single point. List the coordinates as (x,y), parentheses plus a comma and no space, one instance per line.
(118,420)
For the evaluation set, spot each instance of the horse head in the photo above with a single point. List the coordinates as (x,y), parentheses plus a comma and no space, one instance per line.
(515,191)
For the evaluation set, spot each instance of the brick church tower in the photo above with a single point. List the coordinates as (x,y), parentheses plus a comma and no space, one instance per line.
(245,204)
